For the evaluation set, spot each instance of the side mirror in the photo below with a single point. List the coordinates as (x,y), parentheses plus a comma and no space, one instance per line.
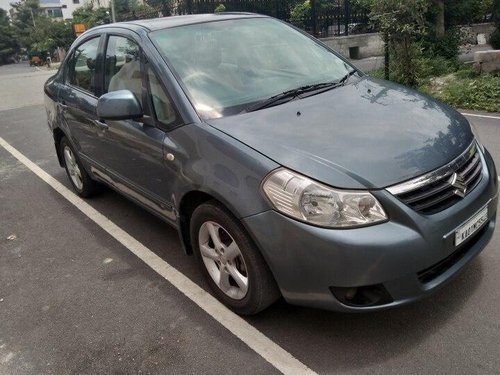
(119,105)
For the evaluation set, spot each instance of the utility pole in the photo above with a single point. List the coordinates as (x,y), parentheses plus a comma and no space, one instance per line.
(314,19)
(347,17)
(32,17)
(113,16)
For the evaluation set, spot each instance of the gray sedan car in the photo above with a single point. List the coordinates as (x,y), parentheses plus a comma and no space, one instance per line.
(287,171)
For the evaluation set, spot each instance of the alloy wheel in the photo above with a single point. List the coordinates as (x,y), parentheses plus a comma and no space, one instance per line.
(223,259)
(73,169)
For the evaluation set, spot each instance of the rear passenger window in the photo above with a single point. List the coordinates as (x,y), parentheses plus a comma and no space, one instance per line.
(123,66)
(83,65)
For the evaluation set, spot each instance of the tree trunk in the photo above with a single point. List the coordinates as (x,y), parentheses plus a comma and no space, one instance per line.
(439,21)
(386,56)
(314,18)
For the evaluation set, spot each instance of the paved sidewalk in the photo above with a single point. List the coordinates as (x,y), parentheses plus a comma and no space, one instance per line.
(22,85)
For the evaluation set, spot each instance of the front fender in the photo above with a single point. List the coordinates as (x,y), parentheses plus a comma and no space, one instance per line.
(220,166)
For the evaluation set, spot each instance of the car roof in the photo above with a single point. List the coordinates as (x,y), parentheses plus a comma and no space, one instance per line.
(175,21)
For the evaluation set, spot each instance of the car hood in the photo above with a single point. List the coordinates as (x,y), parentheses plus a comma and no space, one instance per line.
(367,134)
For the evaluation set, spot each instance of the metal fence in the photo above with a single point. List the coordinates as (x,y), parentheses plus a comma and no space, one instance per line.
(321,18)
(338,18)
(275,8)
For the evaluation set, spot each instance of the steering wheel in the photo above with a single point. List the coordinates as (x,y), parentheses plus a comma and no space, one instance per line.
(196,75)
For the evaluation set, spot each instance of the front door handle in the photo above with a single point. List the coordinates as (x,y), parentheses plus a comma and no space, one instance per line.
(101,125)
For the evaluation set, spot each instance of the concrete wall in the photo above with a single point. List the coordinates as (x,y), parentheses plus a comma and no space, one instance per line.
(487,61)
(472,31)
(368,45)
(483,28)
(372,45)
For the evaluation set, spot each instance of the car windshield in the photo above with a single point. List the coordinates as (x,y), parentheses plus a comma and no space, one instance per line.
(228,65)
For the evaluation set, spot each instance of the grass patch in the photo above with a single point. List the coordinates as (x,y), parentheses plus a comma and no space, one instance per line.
(458,85)
(377,73)
(466,89)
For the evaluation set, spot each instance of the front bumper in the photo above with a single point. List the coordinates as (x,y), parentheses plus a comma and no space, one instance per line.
(310,262)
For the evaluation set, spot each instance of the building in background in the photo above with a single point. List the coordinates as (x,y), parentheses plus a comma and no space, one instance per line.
(52,8)
(69,6)
(63,9)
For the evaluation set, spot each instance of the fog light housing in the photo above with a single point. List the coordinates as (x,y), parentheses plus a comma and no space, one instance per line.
(362,296)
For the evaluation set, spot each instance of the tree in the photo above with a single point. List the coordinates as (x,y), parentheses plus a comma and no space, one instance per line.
(90,16)
(50,34)
(125,9)
(220,8)
(36,31)
(402,23)
(24,19)
(439,18)
(495,36)
(163,6)
(301,13)
(8,45)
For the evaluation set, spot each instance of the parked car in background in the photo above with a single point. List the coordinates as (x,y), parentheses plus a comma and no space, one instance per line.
(286,171)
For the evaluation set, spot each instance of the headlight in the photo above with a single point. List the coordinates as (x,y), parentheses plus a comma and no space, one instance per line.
(304,199)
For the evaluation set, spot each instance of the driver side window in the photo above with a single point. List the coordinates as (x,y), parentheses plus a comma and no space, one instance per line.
(83,64)
(123,66)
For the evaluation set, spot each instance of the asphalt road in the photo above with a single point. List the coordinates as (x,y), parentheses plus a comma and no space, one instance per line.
(73,300)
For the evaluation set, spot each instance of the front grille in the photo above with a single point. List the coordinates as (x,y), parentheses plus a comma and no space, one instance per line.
(445,187)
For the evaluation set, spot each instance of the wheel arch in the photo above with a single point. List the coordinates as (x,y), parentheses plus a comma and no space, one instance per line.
(188,203)
(58,135)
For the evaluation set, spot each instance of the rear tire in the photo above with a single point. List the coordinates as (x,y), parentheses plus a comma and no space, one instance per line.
(83,185)
(231,263)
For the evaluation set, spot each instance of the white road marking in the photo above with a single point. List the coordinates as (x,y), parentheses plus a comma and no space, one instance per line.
(482,116)
(251,336)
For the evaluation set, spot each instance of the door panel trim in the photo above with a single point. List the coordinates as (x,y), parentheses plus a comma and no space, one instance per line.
(158,206)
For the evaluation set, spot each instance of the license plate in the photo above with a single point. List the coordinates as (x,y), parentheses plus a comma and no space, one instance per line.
(471,226)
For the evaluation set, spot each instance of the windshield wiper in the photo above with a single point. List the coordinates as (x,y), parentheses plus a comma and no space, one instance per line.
(289,95)
(345,78)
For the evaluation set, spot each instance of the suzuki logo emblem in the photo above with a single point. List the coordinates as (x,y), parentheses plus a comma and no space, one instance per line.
(458,182)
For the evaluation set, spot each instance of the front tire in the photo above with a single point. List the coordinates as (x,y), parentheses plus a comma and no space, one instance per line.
(83,185)
(231,263)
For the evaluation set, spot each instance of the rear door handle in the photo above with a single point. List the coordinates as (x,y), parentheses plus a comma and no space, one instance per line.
(101,125)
